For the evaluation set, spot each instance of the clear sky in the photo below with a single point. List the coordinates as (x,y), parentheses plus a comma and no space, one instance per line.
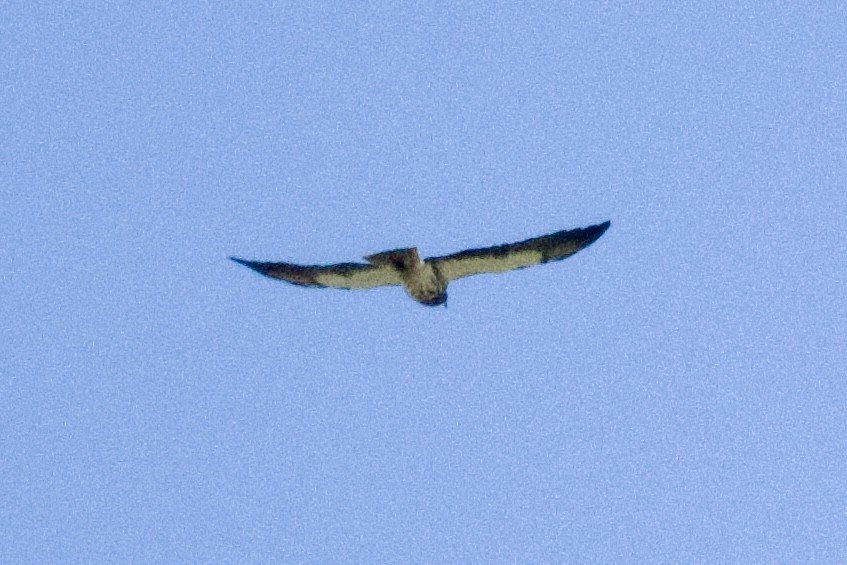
(673,394)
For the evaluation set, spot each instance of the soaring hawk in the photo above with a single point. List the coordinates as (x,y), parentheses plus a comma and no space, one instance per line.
(426,281)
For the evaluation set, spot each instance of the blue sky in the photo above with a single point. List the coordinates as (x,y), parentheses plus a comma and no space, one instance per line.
(675,393)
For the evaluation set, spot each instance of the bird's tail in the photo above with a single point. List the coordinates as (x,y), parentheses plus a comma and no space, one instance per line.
(400,259)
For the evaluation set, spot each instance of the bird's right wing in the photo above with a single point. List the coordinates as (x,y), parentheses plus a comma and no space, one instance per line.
(341,275)
(500,258)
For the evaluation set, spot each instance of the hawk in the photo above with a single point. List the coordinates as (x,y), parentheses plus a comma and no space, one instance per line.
(426,280)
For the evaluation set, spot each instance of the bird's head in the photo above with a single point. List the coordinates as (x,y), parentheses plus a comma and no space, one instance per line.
(437,300)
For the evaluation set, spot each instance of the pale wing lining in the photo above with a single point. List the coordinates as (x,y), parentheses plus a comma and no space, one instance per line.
(358,276)
(455,267)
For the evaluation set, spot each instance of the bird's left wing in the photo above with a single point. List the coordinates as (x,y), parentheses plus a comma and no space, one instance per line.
(500,258)
(340,275)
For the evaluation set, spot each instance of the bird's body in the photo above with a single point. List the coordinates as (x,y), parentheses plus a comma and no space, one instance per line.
(420,278)
(426,281)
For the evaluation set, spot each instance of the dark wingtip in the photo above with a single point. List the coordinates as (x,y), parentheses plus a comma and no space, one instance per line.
(258,267)
(594,232)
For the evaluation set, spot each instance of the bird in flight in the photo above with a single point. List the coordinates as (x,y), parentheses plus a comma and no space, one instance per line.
(426,280)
